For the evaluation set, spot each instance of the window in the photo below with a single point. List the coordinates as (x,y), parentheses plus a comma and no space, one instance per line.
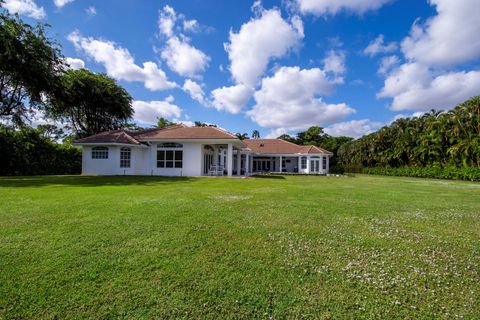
(168,155)
(125,156)
(324,163)
(99,153)
(304,163)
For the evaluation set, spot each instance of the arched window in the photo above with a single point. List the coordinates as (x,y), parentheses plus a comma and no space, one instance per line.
(169,155)
(125,156)
(170,145)
(99,153)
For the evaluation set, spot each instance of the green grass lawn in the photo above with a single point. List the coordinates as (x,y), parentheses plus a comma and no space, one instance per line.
(293,247)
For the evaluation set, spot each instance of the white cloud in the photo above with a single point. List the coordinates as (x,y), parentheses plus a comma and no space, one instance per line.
(450,37)
(289,99)
(61,3)
(434,52)
(353,128)
(379,46)
(261,39)
(334,62)
(325,7)
(166,21)
(275,133)
(387,64)
(183,58)
(231,99)
(180,55)
(75,63)
(120,64)
(194,90)
(148,112)
(25,7)
(91,11)
(191,25)
(414,87)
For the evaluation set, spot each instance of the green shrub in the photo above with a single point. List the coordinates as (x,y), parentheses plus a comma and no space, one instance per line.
(453,173)
(28,152)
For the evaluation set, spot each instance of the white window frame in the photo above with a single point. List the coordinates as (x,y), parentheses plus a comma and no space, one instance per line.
(167,148)
(303,162)
(125,157)
(99,153)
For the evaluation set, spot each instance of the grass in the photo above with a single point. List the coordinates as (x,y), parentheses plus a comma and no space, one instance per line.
(281,247)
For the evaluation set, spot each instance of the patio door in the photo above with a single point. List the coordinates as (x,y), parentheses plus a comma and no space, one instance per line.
(315,165)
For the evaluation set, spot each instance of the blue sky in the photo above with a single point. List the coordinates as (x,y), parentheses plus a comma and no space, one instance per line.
(275,66)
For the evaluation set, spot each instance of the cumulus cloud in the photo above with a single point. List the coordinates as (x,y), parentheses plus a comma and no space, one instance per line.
(353,128)
(334,63)
(24,7)
(379,46)
(75,63)
(290,99)
(194,90)
(149,111)
(332,7)
(61,3)
(261,39)
(231,99)
(434,53)
(183,58)
(448,38)
(414,87)
(387,64)
(120,64)
(180,55)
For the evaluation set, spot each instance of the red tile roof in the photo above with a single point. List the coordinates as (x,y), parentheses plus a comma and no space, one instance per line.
(172,132)
(279,146)
(115,136)
(183,132)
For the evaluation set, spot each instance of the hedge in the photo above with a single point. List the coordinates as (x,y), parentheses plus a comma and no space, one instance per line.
(453,173)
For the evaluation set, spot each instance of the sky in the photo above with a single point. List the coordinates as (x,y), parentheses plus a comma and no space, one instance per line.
(349,66)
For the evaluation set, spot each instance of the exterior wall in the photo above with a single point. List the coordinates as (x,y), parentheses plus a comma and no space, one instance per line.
(192,161)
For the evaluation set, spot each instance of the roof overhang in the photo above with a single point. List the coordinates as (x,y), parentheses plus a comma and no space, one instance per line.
(94,144)
(235,142)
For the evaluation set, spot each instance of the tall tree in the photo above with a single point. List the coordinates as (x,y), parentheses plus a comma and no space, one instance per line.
(162,123)
(242,136)
(91,103)
(255,134)
(30,68)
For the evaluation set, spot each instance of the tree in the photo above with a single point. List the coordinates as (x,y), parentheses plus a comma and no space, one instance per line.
(162,123)
(255,134)
(91,103)
(203,124)
(288,138)
(30,68)
(242,136)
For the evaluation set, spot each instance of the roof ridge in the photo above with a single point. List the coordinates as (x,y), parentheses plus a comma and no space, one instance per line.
(225,131)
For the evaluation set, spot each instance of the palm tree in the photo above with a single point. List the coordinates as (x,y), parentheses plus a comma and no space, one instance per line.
(255,134)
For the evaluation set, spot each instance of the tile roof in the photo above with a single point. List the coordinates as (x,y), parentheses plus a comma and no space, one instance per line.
(172,132)
(279,146)
(183,132)
(115,136)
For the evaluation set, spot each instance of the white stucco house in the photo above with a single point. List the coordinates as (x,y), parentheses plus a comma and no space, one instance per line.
(179,150)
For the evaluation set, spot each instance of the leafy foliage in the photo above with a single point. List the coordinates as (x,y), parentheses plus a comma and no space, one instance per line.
(29,151)
(91,103)
(436,139)
(162,123)
(30,68)
(453,173)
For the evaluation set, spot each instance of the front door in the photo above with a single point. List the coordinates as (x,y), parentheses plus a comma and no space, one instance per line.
(315,166)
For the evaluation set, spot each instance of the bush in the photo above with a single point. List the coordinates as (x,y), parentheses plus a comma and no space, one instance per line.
(28,152)
(453,173)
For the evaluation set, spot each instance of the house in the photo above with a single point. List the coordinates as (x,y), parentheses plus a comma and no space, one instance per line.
(179,150)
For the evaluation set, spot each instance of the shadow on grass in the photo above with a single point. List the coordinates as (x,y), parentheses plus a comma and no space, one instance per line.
(266,176)
(86,181)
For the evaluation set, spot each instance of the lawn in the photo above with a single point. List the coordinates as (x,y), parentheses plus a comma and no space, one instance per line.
(279,247)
